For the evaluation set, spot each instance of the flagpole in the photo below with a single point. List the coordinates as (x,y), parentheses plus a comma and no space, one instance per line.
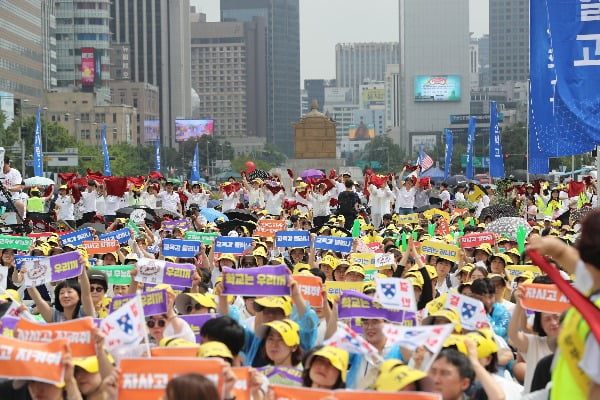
(527,128)
(138,294)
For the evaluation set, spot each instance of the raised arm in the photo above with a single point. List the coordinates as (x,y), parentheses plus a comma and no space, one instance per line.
(86,296)
(43,307)
(517,324)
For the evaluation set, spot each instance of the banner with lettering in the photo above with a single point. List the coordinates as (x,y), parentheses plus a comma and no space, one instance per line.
(371,395)
(19,260)
(159,271)
(430,336)
(384,260)
(477,239)
(182,224)
(269,227)
(154,302)
(122,235)
(471,311)
(335,243)
(512,271)
(357,305)
(8,326)
(180,248)
(310,287)
(15,242)
(407,219)
(367,260)
(147,378)
(79,332)
(32,361)
(52,269)
(196,322)
(337,288)
(204,237)
(273,372)
(100,246)
(233,245)
(395,293)
(300,393)
(261,281)
(292,239)
(76,238)
(440,249)
(545,298)
(174,351)
(241,389)
(117,274)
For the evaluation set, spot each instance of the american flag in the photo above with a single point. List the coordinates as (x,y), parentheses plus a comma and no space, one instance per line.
(425,162)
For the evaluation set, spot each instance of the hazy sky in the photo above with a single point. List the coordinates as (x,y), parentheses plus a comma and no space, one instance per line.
(323,23)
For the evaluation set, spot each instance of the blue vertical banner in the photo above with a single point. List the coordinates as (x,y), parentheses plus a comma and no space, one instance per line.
(107,171)
(157,155)
(38,158)
(470,145)
(195,173)
(496,155)
(448,155)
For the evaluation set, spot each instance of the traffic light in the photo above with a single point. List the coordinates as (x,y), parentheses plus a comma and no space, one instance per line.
(506,155)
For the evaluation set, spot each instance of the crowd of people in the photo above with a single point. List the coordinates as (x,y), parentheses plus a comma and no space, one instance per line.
(518,353)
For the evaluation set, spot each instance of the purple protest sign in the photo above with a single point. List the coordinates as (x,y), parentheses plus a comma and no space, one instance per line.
(261,281)
(159,271)
(154,302)
(52,269)
(8,326)
(196,322)
(291,373)
(357,305)
(180,223)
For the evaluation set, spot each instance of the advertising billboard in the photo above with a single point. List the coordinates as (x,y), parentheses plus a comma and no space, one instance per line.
(437,88)
(88,69)
(361,131)
(97,69)
(373,98)
(338,95)
(189,128)
(151,130)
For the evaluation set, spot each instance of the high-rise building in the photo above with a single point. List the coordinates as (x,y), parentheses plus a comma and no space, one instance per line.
(49,43)
(392,96)
(509,41)
(230,75)
(158,37)
(483,43)
(434,67)
(21,55)
(282,24)
(474,68)
(82,45)
(315,90)
(357,63)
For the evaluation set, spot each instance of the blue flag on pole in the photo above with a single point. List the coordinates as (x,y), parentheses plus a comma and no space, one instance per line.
(195,173)
(38,158)
(107,171)
(564,114)
(470,145)
(496,156)
(449,149)
(157,155)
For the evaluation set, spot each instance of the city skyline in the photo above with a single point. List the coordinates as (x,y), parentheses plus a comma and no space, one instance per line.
(318,40)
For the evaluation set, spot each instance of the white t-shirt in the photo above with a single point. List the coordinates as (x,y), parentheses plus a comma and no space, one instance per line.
(10,179)
(65,212)
(88,200)
(537,348)
(169,201)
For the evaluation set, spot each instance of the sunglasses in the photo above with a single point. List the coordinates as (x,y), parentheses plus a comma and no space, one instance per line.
(152,323)
(97,289)
(196,307)
(251,264)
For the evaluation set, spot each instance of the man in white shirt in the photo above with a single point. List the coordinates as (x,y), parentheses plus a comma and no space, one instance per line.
(405,196)
(170,199)
(88,199)
(13,182)
(65,205)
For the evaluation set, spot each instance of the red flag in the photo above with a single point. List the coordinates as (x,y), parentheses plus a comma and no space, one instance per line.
(73,186)
(290,173)
(116,186)
(95,175)
(49,190)
(332,174)
(575,188)
(137,182)
(410,168)
(378,180)
(67,176)
(587,180)
(156,175)
(328,184)
(182,197)
(425,182)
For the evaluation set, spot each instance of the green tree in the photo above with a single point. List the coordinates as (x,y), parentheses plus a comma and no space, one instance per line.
(383,150)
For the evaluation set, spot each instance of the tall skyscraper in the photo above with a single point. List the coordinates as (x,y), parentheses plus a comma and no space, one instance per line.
(82,45)
(21,66)
(392,96)
(434,68)
(49,43)
(158,37)
(483,43)
(282,24)
(509,40)
(230,74)
(356,63)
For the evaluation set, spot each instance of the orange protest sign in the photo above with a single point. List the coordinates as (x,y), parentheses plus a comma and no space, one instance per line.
(174,351)
(31,360)
(79,333)
(269,227)
(361,395)
(299,393)
(310,287)
(241,390)
(544,297)
(147,378)
(442,227)
(100,246)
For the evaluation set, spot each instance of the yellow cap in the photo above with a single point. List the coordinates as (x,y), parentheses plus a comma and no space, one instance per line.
(450,314)
(505,257)
(525,275)
(283,302)
(368,286)
(183,300)
(214,349)
(301,267)
(485,247)
(337,357)
(514,251)
(394,376)
(176,342)
(329,260)
(466,268)
(227,256)
(260,252)
(431,271)
(356,268)
(10,295)
(89,364)
(484,339)
(415,281)
(288,329)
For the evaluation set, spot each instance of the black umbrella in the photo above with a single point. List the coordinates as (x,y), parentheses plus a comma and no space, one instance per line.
(456,179)
(240,214)
(424,208)
(258,174)
(334,229)
(497,211)
(162,212)
(99,227)
(228,226)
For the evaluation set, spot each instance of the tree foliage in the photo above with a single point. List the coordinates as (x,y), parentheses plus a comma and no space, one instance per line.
(383,150)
